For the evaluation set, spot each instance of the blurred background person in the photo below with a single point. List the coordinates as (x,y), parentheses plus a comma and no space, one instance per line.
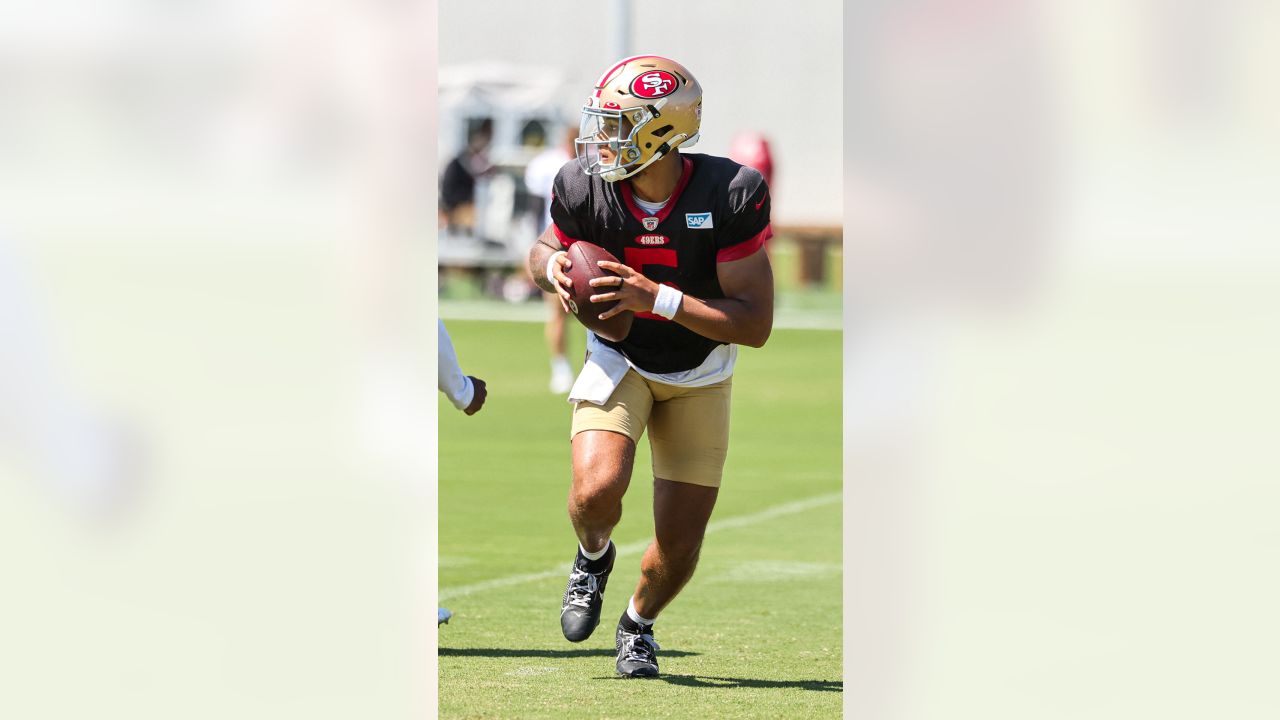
(519,104)
(539,177)
(751,148)
(458,183)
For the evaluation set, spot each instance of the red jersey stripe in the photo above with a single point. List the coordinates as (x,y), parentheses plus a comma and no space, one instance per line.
(745,249)
(608,74)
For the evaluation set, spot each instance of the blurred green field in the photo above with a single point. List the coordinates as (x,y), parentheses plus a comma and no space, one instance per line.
(756,633)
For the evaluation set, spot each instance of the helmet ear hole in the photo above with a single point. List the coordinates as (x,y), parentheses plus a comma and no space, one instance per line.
(648,145)
(662,131)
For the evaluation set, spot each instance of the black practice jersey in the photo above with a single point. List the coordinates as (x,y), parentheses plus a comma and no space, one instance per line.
(718,212)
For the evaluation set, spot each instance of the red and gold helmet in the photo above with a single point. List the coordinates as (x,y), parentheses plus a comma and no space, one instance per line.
(642,108)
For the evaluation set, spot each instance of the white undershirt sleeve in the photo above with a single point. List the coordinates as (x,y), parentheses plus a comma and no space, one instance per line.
(452,381)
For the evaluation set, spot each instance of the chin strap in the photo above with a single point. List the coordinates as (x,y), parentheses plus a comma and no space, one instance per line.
(666,147)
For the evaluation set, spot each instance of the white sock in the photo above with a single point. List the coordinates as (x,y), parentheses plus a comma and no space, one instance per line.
(594,555)
(560,363)
(635,616)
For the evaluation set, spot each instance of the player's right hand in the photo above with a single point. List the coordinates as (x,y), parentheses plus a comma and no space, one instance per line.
(562,281)
(477,399)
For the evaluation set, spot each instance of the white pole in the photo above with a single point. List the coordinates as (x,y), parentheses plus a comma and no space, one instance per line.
(622,28)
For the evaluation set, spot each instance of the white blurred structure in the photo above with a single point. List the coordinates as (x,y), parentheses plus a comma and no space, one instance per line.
(516,97)
(527,105)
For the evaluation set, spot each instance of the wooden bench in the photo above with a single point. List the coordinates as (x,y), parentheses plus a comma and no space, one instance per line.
(813,243)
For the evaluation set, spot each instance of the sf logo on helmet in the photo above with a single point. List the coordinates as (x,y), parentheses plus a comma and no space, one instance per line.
(653,84)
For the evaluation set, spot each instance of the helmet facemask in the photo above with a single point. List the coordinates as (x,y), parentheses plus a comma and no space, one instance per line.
(643,108)
(609,140)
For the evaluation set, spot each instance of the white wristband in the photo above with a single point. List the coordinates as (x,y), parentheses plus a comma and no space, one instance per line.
(551,264)
(667,303)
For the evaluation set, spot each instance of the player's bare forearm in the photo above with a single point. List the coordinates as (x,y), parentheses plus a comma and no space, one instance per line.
(542,251)
(539,257)
(744,316)
(734,320)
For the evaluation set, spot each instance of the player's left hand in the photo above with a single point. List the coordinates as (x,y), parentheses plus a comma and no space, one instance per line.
(633,291)
(477,400)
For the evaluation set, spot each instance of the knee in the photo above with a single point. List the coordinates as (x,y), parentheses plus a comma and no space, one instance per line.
(682,550)
(594,498)
(601,472)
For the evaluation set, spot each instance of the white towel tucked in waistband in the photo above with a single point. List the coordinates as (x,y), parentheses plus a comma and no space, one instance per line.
(601,373)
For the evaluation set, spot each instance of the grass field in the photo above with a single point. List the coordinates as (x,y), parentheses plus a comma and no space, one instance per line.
(756,633)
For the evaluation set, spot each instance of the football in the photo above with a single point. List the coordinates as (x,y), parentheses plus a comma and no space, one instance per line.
(584,255)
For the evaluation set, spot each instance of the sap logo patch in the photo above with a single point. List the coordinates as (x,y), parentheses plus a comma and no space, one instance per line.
(653,240)
(698,221)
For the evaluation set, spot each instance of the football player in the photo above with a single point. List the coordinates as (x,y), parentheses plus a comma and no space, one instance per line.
(688,229)
(466,392)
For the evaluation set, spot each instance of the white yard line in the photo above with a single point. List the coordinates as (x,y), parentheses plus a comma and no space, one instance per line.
(636,548)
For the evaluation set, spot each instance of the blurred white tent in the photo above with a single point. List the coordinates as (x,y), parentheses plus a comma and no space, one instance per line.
(527,107)
(516,97)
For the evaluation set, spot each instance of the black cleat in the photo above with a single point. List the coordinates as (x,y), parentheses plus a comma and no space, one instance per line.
(637,651)
(580,609)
